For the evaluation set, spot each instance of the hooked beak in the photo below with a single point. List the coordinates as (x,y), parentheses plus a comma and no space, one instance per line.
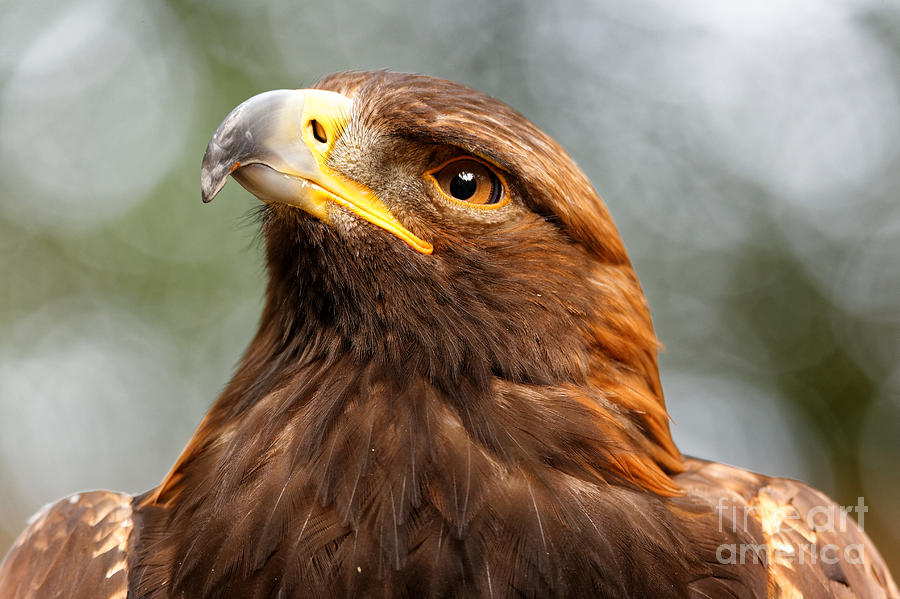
(276,145)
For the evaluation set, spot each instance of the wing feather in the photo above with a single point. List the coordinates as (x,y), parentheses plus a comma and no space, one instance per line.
(812,548)
(75,548)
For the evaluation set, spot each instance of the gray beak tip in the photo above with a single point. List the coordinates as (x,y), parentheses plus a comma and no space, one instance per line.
(213,173)
(241,138)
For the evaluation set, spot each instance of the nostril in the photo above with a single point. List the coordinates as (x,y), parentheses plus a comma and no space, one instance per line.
(318,131)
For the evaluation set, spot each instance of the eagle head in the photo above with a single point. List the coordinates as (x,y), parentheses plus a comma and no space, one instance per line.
(436,232)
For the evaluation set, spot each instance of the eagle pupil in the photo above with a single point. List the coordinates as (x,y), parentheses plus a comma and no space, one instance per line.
(463,185)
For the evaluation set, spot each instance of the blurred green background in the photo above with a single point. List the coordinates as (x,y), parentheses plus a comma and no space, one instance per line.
(749,152)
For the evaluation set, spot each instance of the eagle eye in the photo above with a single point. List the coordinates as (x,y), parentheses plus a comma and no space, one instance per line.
(470,181)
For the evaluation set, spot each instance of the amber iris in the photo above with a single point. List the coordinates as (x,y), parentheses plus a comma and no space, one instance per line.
(470,181)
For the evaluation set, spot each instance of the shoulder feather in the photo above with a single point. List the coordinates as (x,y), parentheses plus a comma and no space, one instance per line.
(810,545)
(75,548)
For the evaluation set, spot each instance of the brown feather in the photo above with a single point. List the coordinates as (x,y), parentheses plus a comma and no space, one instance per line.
(76,548)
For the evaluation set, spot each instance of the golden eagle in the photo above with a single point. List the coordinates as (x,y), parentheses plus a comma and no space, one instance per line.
(453,392)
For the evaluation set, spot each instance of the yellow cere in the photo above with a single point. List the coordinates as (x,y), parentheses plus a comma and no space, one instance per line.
(325,114)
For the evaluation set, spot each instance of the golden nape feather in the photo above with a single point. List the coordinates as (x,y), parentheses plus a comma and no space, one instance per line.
(453,392)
